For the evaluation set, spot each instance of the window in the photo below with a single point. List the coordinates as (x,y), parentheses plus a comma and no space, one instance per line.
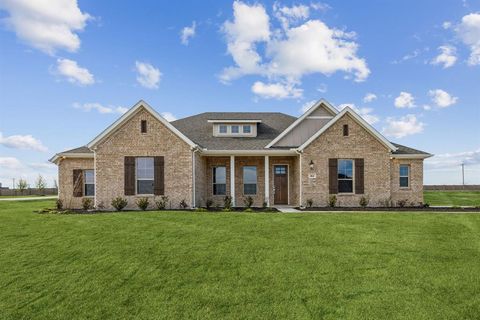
(222,128)
(89,183)
(404,175)
(280,169)
(249,180)
(144,172)
(143,126)
(235,129)
(219,181)
(345,130)
(247,129)
(345,176)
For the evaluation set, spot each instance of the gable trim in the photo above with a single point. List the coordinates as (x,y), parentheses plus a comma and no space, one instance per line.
(359,120)
(301,118)
(126,116)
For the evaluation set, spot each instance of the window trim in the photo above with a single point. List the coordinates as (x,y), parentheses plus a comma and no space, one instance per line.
(256,181)
(407,176)
(353,177)
(216,183)
(85,183)
(143,179)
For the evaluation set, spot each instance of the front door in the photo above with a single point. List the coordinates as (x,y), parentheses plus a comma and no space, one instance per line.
(280,184)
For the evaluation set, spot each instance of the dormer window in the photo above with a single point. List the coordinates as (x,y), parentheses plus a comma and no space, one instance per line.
(235,128)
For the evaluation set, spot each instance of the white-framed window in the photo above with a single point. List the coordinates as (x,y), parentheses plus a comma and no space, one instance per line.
(235,129)
(220,180)
(404,176)
(249,180)
(89,183)
(222,128)
(144,175)
(345,175)
(247,129)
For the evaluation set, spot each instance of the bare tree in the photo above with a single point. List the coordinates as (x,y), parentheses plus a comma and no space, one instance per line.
(40,183)
(22,185)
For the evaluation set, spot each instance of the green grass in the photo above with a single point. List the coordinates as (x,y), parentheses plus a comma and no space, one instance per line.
(26,196)
(452,198)
(170,265)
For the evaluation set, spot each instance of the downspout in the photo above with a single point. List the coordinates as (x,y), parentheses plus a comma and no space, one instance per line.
(300,152)
(95,177)
(194,150)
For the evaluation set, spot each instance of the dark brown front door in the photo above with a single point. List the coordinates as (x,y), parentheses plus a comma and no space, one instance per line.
(280,184)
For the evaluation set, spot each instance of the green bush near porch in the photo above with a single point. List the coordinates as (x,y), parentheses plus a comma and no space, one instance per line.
(166,265)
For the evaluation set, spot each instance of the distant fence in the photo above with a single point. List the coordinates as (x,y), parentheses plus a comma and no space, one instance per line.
(470,187)
(29,192)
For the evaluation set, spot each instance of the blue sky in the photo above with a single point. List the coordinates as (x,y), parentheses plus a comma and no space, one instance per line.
(68,69)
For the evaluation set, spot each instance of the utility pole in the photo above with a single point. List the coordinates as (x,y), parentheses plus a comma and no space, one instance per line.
(13,187)
(463,175)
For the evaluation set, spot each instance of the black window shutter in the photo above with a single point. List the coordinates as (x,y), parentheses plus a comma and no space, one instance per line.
(359,176)
(159,176)
(129,176)
(332,176)
(77,183)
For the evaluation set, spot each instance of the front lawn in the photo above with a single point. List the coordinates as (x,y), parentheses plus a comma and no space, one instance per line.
(170,265)
(452,198)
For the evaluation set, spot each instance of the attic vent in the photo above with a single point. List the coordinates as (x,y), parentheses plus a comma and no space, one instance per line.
(143,126)
(345,130)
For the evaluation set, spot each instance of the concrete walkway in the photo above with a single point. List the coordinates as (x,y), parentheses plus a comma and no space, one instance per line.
(287,209)
(28,199)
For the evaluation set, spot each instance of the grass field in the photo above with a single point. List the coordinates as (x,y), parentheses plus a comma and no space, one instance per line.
(27,196)
(452,198)
(167,265)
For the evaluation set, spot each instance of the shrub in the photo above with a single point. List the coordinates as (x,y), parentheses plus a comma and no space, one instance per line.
(248,210)
(264,205)
(100,206)
(387,203)
(248,201)
(200,210)
(401,203)
(161,204)
(332,201)
(227,203)
(183,204)
(142,203)
(364,202)
(119,203)
(208,204)
(87,203)
(59,204)
(426,205)
(227,209)
(309,203)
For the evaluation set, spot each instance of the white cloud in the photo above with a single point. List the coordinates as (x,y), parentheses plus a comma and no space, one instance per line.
(469,31)
(99,108)
(447,160)
(365,113)
(319,6)
(293,14)
(447,56)
(47,25)
(290,53)
(405,100)
(188,33)
(147,75)
(26,142)
(74,73)
(442,98)
(307,105)
(369,97)
(403,126)
(10,163)
(426,107)
(446,25)
(276,90)
(168,116)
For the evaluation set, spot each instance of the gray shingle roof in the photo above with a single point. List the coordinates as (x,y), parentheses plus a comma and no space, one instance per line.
(199,130)
(406,150)
(83,149)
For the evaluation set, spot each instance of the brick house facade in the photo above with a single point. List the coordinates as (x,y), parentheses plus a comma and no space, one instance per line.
(274,158)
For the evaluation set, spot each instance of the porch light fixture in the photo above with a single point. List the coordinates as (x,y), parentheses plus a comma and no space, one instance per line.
(311,164)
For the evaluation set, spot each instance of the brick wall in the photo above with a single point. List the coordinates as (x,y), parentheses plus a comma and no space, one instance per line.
(65,180)
(258,198)
(414,193)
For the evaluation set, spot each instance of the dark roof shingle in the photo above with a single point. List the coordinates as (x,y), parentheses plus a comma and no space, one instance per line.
(407,150)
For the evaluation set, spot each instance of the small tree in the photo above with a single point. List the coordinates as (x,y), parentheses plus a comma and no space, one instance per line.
(208,204)
(332,201)
(40,183)
(87,204)
(309,203)
(142,203)
(119,203)
(364,201)
(161,204)
(22,185)
(227,203)
(248,201)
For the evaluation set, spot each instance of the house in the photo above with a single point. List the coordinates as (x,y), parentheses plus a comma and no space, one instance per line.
(275,158)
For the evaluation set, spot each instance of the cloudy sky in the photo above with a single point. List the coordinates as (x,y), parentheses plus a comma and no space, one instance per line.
(69,68)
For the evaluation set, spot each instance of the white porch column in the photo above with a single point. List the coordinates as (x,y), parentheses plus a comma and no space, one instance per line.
(267,181)
(232,179)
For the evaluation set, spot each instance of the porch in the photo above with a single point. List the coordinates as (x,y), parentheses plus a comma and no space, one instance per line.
(241,176)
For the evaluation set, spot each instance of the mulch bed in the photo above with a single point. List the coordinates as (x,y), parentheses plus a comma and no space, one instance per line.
(394,209)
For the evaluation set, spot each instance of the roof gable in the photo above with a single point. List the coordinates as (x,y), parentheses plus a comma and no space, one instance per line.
(357,119)
(128,115)
(314,112)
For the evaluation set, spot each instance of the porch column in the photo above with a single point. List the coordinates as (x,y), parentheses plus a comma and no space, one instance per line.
(267,181)
(232,179)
